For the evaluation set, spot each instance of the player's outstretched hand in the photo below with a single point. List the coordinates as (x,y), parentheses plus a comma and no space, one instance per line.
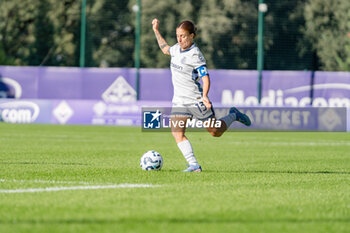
(155,23)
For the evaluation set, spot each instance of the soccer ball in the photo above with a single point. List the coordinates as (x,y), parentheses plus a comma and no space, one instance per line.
(151,161)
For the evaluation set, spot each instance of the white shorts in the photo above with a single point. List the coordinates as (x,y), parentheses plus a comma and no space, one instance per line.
(198,111)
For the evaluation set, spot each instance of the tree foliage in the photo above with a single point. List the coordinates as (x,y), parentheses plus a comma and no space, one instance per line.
(328,27)
(228,32)
(43,46)
(111,28)
(16,25)
(285,45)
(47,32)
(169,13)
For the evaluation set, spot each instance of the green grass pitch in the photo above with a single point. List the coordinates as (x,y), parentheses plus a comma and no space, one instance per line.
(251,181)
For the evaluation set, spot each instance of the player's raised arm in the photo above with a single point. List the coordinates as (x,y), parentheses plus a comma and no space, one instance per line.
(163,45)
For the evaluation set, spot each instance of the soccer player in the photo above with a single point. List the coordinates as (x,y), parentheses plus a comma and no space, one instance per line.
(190,99)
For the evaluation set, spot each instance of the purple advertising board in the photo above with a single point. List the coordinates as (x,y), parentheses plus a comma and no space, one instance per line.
(94,112)
(331,89)
(276,86)
(228,87)
(96,89)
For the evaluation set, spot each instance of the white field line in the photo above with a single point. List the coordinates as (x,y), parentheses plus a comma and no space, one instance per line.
(44,181)
(55,189)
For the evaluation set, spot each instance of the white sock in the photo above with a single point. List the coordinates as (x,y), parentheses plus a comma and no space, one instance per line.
(229,119)
(187,151)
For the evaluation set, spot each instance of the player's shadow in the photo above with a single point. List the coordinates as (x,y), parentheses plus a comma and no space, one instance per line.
(280,172)
(89,221)
(263,171)
(42,163)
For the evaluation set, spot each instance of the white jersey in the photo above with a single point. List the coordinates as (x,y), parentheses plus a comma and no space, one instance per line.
(187,67)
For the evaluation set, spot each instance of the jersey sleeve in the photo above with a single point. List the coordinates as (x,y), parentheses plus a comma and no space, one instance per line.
(199,63)
(172,50)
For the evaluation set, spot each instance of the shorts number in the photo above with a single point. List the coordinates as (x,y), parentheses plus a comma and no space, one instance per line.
(202,108)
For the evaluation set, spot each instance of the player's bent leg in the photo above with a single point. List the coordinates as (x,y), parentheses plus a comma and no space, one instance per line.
(217,131)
